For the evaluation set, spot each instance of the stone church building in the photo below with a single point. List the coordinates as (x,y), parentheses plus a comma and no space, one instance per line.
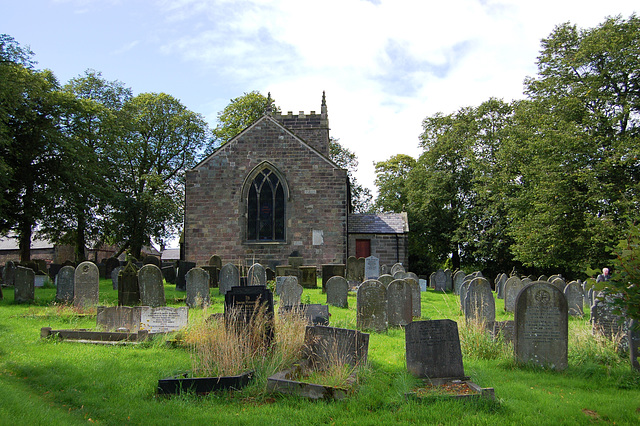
(272,191)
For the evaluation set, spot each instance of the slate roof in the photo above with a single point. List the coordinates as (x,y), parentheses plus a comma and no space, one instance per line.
(381,223)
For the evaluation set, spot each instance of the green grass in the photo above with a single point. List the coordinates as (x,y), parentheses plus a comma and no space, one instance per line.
(52,382)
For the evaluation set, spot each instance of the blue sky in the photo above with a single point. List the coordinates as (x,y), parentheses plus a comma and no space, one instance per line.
(385,64)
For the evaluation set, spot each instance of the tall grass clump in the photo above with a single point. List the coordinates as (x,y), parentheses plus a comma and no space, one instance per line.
(478,344)
(586,347)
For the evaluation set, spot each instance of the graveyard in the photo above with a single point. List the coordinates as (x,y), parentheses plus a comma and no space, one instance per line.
(410,341)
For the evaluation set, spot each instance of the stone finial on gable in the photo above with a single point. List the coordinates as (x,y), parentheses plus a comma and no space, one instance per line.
(323,107)
(269,109)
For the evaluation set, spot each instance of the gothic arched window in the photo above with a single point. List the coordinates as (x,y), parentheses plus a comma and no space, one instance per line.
(266,207)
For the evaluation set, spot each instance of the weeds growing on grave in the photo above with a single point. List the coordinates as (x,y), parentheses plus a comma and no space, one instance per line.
(477,343)
(586,347)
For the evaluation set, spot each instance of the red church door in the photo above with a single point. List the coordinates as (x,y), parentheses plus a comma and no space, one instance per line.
(363,248)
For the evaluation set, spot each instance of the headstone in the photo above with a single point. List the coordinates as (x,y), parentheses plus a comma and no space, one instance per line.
(183,268)
(371,306)
(114,276)
(128,287)
(504,328)
(39,279)
(24,284)
(500,282)
(169,274)
(433,349)
(416,298)
(197,288)
(423,284)
(242,304)
(458,279)
(360,265)
(116,318)
(385,279)
(295,261)
(271,274)
(152,260)
(371,268)
(229,277)
(257,275)
(9,273)
(163,319)
(279,281)
(352,269)
(214,273)
(609,324)
(479,304)
(448,280)
(543,278)
(396,267)
(337,292)
(291,294)
(151,286)
(399,303)
(440,280)
(308,277)
(331,270)
(330,346)
(64,292)
(560,283)
(287,270)
(216,261)
(315,314)
(541,326)
(432,280)
(384,269)
(511,289)
(400,275)
(463,291)
(54,268)
(110,264)
(86,285)
(575,298)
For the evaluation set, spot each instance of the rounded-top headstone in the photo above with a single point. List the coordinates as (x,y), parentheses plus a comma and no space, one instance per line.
(151,285)
(86,287)
(371,306)
(338,292)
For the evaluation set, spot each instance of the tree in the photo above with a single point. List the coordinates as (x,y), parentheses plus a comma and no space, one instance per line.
(160,140)
(361,198)
(624,285)
(391,180)
(91,127)
(239,114)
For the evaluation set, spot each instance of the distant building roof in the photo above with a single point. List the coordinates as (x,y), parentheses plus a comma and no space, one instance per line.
(10,242)
(171,254)
(381,223)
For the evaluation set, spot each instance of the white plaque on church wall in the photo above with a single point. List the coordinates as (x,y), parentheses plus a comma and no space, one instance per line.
(318,237)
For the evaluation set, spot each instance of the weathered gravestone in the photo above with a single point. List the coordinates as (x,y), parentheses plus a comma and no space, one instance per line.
(458,279)
(197,288)
(501,280)
(396,268)
(110,264)
(152,260)
(423,284)
(399,303)
(115,272)
(54,268)
(400,275)
(331,270)
(575,298)
(213,272)
(257,275)
(183,269)
(448,284)
(440,280)
(9,273)
(229,277)
(216,261)
(511,289)
(337,292)
(315,314)
(371,306)
(371,268)
(327,347)
(308,277)
(559,282)
(360,265)
(128,287)
(433,350)
(163,319)
(608,323)
(118,318)
(479,304)
(64,291)
(169,274)
(541,326)
(243,305)
(291,293)
(385,279)
(352,270)
(151,286)
(416,298)
(86,285)
(24,284)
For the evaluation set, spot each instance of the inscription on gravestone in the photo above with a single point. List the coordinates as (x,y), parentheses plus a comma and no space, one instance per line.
(242,304)
(371,268)
(337,292)
(330,346)
(86,289)
(163,319)
(433,349)
(371,306)
(64,292)
(197,288)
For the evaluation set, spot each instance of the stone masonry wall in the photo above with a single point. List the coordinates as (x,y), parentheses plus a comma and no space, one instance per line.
(215,219)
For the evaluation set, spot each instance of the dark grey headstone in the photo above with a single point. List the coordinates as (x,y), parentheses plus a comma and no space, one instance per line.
(181,280)
(337,292)
(64,291)
(371,268)
(575,298)
(229,277)
(511,289)
(440,280)
(308,277)
(458,279)
(291,293)
(330,346)
(169,274)
(128,287)
(24,284)
(114,276)
(416,298)
(371,306)
(241,304)
(9,273)
(331,270)
(448,283)
(541,326)
(257,275)
(214,274)
(216,261)
(501,280)
(152,260)
(360,265)
(479,304)
(110,264)
(86,285)
(352,269)
(433,349)
(197,288)
(608,323)
(399,303)
(151,286)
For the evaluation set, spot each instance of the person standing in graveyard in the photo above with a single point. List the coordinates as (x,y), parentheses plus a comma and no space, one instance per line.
(604,276)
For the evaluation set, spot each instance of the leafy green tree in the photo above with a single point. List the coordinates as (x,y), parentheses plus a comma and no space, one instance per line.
(161,139)
(624,285)
(361,198)
(239,114)
(391,180)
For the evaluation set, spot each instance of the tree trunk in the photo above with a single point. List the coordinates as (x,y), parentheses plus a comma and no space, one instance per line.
(81,255)
(455,259)
(24,241)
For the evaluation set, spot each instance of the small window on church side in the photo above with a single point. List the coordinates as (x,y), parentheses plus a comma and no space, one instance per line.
(265,208)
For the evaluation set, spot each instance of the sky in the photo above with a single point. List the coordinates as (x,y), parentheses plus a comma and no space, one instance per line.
(385,65)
